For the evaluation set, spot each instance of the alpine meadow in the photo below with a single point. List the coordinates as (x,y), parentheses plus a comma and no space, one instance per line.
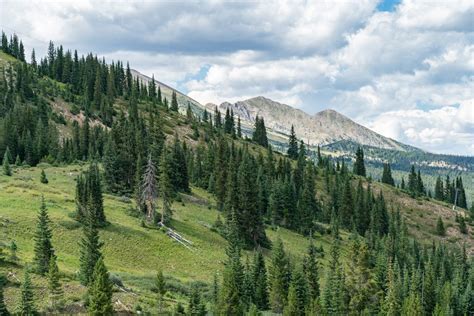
(123,195)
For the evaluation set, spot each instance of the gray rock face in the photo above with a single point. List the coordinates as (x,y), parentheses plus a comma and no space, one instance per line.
(323,128)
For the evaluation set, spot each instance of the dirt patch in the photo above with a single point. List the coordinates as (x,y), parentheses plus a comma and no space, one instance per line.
(61,107)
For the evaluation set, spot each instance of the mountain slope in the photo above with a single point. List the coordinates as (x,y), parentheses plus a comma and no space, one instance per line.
(167,91)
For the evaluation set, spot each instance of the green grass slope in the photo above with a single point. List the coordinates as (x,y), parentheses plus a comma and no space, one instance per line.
(132,253)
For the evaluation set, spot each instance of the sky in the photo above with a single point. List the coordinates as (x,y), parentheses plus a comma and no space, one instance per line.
(402,68)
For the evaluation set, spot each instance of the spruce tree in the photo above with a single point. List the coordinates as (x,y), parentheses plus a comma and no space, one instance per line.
(239,128)
(439,190)
(413,181)
(334,291)
(6,164)
(359,165)
(43,250)
(391,304)
(195,306)
(387,175)
(292,144)
(160,285)
(347,205)
(100,291)
(440,229)
(250,219)
(89,251)
(279,277)
(165,188)
(174,102)
(3,307)
(43,178)
(311,270)
(260,280)
(298,297)
(230,298)
(359,283)
(149,189)
(89,200)
(27,302)
(54,285)
(412,305)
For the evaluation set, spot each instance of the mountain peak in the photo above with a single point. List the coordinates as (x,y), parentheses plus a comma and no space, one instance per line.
(325,127)
(333,114)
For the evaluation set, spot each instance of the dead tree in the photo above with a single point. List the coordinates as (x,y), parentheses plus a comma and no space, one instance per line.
(149,189)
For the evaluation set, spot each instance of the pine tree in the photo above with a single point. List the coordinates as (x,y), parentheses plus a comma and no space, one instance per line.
(250,220)
(260,280)
(439,190)
(160,285)
(297,294)
(215,295)
(413,181)
(279,277)
(239,128)
(387,175)
(359,282)
(412,306)
(43,178)
(311,270)
(230,298)
(100,291)
(43,249)
(359,165)
(89,200)
(260,132)
(6,163)
(174,102)
(89,251)
(54,285)
(248,285)
(334,291)
(440,229)
(166,188)
(27,302)
(347,205)
(149,189)
(195,306)
(391,304)
(3,306)
(13,249)
(292,144)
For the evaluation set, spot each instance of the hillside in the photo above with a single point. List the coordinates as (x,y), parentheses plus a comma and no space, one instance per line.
(149,250)
(167,91)
(117,165)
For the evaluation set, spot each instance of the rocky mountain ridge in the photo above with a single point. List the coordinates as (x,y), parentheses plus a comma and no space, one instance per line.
(322,128)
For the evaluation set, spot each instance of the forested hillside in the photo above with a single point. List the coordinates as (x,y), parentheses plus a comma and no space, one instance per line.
(112,201)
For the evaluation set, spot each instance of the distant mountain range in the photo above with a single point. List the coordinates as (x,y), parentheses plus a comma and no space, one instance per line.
(337,134)
(323,128)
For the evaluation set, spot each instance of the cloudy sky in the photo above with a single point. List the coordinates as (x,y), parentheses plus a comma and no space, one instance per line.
(402,68)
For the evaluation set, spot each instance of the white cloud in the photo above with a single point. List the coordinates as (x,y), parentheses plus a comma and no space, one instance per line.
(448,129)
(389,70)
